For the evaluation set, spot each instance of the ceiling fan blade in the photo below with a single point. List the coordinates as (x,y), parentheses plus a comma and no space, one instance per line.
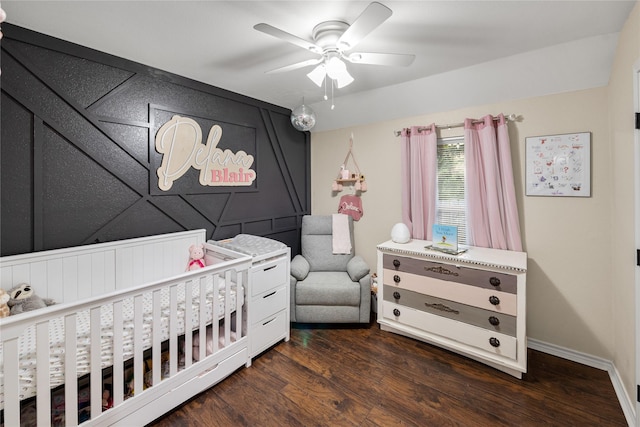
(392,59)
(295,66)
(283,35)
(374,15)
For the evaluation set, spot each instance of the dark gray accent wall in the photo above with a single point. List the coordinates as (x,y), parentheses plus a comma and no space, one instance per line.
(78,159)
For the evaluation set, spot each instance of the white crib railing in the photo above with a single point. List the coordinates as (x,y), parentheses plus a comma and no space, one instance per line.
(229,274)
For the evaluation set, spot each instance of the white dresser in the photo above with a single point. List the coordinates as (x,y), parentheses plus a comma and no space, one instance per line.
(268,290)
(473,303)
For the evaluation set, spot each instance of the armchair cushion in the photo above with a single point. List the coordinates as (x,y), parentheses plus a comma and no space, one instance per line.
(357,268)
(299,267)
(328,288)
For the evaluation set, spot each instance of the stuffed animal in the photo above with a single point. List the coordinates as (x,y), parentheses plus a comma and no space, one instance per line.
(4,308)
(196,257)
(24,298)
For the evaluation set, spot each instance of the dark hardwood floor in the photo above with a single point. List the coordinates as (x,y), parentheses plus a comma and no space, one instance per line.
(340,376)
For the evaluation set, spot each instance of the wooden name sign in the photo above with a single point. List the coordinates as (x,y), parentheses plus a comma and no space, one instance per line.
(180,142)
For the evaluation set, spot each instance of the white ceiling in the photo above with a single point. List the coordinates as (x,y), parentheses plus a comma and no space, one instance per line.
(214,41)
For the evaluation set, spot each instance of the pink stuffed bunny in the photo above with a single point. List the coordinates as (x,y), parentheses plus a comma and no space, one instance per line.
(196,257)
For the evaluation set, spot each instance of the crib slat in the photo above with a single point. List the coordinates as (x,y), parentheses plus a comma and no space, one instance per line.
(138,360)
(216,312)
(70,371)
(156,350)
(96,363)
(239,300)
(188,323)
(118,366)
(11,383)
(43,376)
(173,331)
(202,326)
(227,309)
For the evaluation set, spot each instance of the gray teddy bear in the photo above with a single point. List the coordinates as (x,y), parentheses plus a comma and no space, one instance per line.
(23,298)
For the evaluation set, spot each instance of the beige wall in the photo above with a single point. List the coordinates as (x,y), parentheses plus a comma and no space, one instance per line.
(621,104)
(568,276)
(580,250)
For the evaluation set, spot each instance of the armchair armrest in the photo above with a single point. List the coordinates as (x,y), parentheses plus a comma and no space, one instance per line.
(357,268)
(299,267)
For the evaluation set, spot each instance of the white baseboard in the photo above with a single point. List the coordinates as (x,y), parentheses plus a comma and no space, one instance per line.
(628,404)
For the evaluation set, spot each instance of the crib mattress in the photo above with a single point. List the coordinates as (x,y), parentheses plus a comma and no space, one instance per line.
(27,343)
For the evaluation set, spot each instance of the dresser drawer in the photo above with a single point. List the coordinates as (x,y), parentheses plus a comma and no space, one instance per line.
(488,299)
(482,278)
(269,303)
(486,319)
(268,331)
(269,275)
(449,329)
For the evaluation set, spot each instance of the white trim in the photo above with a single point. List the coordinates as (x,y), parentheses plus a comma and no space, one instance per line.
(626,402)
(636,102)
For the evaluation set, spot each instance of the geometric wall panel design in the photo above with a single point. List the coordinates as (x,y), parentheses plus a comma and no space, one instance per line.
(78,159)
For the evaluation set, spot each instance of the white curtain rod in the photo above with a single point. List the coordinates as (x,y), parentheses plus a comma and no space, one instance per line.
(509,118)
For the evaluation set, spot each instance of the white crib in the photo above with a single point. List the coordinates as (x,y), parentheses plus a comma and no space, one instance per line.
(127,318)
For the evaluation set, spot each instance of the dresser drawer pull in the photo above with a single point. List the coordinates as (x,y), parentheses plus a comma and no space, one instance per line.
(268,321)
(268,295)
(441,270)
(494,320)
(442,307)
(495,342)
(494,300)
(270,268)
(396,263)
(396,278)
(396,312)
(494,281)
(396,295)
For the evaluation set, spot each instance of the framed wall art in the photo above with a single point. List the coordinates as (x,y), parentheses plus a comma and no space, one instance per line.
(558,165)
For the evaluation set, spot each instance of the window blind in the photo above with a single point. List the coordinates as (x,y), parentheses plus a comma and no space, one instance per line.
(451,207)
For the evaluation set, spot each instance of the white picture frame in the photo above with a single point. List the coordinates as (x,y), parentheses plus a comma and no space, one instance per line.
(558,165)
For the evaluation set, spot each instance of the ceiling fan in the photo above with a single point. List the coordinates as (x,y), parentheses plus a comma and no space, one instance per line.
(333,42)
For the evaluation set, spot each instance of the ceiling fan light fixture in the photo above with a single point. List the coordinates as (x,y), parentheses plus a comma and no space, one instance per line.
(335,67)
(344,79)
(317,75)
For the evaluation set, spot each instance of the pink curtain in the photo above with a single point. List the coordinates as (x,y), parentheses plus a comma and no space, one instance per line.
(419,168)
(492,213)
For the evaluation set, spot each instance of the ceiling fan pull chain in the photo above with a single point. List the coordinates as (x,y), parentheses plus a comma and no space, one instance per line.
(332,106)
(325,87)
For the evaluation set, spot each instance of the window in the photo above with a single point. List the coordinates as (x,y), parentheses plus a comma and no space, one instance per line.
(451,207)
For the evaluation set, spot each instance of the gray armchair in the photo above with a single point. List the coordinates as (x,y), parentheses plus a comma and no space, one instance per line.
(328,288)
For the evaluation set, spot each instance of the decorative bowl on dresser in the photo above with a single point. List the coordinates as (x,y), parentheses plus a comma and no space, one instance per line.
(473,304)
